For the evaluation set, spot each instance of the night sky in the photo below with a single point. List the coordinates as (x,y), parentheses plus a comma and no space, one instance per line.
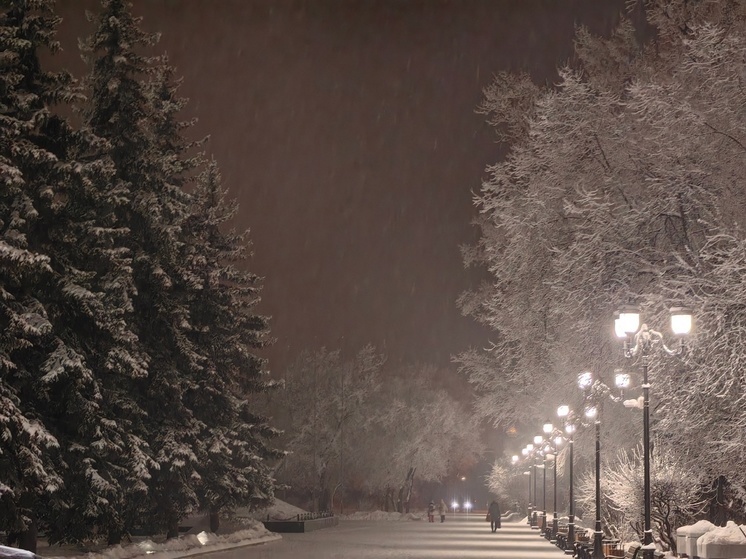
(347,132)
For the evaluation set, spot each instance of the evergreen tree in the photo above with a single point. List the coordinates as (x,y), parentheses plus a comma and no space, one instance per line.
(235,464)
(67,351)
(120,109)
(192,310)
(27,468)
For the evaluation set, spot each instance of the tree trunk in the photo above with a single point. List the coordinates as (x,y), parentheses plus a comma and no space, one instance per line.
(409,484)
(324,499)
(114,537)
(172,530)
(717,509)
(214,521)
(27,538)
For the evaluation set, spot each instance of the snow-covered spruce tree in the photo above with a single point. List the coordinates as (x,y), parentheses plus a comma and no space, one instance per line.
(122,109)
(235,467)
(66,283)
(26,461)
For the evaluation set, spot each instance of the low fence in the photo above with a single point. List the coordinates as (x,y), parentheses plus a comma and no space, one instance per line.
(304,522)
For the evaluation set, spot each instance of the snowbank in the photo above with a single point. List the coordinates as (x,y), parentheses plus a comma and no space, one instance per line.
(245,529)
(699,527)
(723,543)
(731,533)
(188,545)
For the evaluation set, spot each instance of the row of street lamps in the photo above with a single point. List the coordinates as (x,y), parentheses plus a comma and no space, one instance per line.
(639,342)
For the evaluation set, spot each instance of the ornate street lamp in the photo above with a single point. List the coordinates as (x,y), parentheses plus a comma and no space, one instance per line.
(555,521)
(627,326)
(595,392)
(592,413)
(565,413)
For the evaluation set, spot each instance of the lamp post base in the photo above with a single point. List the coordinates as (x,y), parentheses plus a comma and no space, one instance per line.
(598,544)
(555,528)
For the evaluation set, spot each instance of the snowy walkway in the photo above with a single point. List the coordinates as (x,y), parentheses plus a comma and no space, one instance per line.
(457,538)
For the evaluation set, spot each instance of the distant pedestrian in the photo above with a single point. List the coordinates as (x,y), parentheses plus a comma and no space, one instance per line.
(431,512)
(442,509)
(494,516)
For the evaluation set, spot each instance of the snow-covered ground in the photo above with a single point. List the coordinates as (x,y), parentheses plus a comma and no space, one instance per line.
(381,515)
(245,529)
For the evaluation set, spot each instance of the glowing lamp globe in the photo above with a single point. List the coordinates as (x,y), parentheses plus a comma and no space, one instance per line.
(628,321)
(681,321)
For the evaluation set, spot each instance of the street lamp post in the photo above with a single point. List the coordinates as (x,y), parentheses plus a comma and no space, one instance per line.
(525,451)
(564,412)
(555,519)
(587,384)
(544,495)
(626,327)
(528,509)
(532,468)
(598,551)
(548,429)
(538,440)
(596,391)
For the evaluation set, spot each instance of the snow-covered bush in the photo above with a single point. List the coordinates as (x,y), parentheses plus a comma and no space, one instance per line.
(676,494)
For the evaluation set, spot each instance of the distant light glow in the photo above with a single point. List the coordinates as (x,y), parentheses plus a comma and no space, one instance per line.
(591,412)
(585,380)
(538,439)
(622,380)
(454,504)
(563,411)
(467,505)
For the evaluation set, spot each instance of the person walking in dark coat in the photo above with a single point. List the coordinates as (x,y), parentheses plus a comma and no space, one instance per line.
(442,508)
(494,516)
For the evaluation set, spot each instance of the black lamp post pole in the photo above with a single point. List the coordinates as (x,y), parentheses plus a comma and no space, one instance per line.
(648,535)
(598,551)
(536,499)
(571,517)
(529,497)
(555,521)
(544,497)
